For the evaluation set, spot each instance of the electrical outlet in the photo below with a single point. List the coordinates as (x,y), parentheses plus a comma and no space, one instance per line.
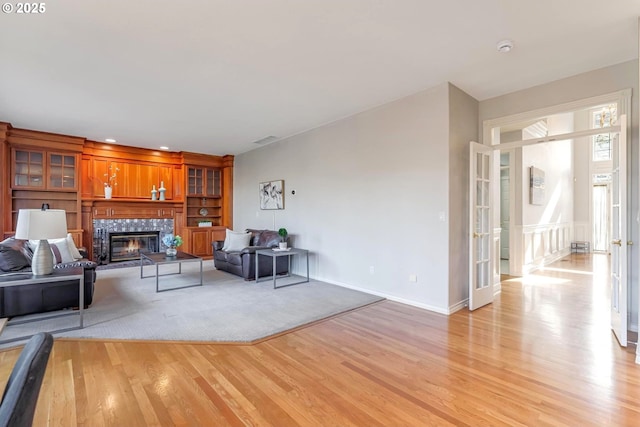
(413,278)
(372,270)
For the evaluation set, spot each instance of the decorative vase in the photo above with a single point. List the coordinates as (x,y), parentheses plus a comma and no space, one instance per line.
(108,191)
(161,190)
(172,251)
(154,193)
(282,245)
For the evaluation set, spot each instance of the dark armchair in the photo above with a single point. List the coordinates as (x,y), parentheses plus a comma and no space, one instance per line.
(23,387)
(243,263)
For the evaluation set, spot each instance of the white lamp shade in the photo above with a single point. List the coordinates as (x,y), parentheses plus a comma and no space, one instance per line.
(36,224)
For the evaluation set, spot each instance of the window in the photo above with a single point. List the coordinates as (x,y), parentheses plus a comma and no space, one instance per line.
(602,118)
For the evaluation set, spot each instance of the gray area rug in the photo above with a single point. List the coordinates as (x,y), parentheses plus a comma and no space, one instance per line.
(225,309)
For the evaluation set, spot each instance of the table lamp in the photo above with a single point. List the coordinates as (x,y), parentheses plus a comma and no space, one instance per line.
(41,224)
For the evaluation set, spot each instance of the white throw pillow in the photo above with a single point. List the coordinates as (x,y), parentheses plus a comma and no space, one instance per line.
(59,248)
(75,253)
(227,239)
(238,241)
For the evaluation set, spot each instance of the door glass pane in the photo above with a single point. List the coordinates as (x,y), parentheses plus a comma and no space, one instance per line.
(485,166)
(479,275)
(479,166)
(478,220)
(485,193)
(485,220)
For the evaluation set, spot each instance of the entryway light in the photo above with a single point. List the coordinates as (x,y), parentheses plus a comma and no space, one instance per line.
(109,140)
(505,46)
(162,147)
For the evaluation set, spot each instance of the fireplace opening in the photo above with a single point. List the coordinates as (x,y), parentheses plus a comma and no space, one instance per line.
(125,246)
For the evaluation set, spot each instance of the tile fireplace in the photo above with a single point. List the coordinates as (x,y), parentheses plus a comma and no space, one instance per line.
(104,229)
(127,245)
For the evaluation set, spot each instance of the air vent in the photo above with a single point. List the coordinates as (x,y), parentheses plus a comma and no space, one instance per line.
(266,140)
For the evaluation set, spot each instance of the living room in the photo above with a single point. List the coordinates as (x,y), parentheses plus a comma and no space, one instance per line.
(378,194)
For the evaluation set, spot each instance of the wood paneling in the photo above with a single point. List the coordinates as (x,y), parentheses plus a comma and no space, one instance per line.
(529,359)
(139,169)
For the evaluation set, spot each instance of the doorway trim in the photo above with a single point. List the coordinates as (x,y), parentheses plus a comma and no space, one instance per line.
(623,98)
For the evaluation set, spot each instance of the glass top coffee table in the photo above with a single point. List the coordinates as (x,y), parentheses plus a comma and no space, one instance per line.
(160,258)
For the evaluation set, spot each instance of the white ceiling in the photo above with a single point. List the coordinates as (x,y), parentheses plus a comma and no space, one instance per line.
(212,76)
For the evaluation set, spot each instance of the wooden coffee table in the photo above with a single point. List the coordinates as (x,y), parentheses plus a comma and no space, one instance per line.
(160,258)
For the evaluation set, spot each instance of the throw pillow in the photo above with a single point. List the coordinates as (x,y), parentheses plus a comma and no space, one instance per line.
(238,241)
(227,239)
(75,253)
(12,260)
(59,248)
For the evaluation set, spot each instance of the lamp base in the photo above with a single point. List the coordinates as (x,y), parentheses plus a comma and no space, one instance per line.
(42,262)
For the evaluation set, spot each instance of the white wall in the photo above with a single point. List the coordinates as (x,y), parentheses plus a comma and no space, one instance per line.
(598,82)
(369,192)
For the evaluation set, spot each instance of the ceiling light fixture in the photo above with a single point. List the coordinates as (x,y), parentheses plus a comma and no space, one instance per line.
(163,147)
(505,46)
(109,140)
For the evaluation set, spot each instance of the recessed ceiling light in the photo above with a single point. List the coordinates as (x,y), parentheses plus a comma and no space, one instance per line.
(109,140)
(505,46)
(162,147)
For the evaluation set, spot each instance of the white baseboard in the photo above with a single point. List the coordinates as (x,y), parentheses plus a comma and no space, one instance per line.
(393,297)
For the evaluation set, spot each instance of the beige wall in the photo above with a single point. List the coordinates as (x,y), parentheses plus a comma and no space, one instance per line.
(369,193)
(463,127)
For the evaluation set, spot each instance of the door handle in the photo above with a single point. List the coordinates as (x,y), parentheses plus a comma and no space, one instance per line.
(617,242)
(475,235)
(630,243)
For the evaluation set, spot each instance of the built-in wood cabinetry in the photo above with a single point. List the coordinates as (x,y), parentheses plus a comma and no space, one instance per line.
(70,173)
(200,239)
(44,168)
(208,198)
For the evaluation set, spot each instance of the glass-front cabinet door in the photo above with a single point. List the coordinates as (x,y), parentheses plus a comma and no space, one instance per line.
(62,171)
(195,181)
(213,182)
(28,169)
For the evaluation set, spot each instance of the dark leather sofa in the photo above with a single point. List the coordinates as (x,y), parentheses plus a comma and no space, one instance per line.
(243,263)
(42,297)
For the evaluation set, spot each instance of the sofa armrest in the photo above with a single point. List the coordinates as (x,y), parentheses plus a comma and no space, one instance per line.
(252,249)
(217,245)
(84,263)
(84,252)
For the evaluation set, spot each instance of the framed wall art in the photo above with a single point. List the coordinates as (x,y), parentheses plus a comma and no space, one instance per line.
(272,195)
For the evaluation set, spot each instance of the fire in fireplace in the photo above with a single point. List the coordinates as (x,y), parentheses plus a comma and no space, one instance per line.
(128,245)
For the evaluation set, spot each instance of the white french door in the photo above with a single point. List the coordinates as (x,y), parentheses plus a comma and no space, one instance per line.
(619,239)
(481,228)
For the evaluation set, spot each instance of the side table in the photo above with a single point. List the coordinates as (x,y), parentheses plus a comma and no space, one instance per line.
(58,275)
(274,254)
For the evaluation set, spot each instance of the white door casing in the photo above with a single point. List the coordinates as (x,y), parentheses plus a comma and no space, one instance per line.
(619,240)
(481,246)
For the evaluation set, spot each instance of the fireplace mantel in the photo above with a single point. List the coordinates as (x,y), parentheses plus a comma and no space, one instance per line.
(130,208)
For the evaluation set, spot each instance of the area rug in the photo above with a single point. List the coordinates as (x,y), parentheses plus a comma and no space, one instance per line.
(225,309)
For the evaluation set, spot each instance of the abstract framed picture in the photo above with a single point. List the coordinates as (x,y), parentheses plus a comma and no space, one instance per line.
(272,195)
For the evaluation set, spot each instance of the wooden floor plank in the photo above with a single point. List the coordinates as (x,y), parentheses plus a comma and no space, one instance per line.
(542,354)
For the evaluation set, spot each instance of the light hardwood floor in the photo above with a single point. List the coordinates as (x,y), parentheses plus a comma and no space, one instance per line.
(541,355)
